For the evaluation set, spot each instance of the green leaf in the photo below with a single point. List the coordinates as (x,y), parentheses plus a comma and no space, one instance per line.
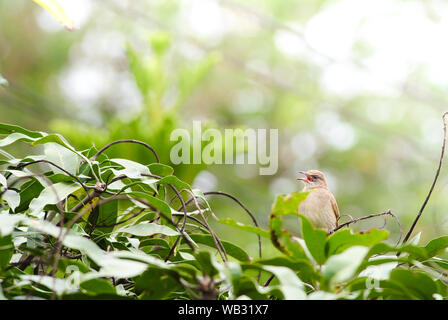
(132,169)
(118,185)
(6,251)
(81,296)
(154,242)
(59,286)
(415,240)
(292,264)
(148,229)
(303,267)
(413,284)
(186,255)
(98,286)
(232,272)
(176,182)
(290,284)
(247,287)
(140,256)
(57,11)
(52,195)
(28,192)
(315,240)
(157,283)
(8,222)
(15,162)
(61,156)
(204,261)
(248,228)
(13,137)
(378,268)
(57,138)
(110,262)
(3,181)
(9,129)
(288,204)
(107,215)
(283,240)
(231,249)
(12,198)
(437,246)
(153,201)
(419,253)
(343,266)
(17,173)
(344,239)
(160,169)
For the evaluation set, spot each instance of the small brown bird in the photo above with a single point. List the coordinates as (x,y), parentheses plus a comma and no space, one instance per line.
(320,205)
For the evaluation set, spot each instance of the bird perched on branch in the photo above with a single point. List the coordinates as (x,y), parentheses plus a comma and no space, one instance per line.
(320,205)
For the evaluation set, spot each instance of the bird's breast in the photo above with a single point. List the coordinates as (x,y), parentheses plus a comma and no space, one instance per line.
(318,209)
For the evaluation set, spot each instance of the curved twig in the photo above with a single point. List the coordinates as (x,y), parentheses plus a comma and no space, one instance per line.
(89,197)
(60,209)
(183,205)
(50,183)
(184,223)
(173,248)
(269,280)
(125,141)
(127,197)
(192,218)
(220,193)
(218,243)
(388,212)
(406,238)
(273,276)
(25,164)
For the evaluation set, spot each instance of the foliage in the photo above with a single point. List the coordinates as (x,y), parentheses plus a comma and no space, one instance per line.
(372,130)
(157,118)
(82,225)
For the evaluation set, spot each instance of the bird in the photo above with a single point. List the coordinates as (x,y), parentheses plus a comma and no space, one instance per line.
(320,206)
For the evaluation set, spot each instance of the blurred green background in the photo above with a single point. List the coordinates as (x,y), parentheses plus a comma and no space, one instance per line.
(356,89)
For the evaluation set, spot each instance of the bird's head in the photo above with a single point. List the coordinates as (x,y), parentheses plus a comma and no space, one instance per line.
(313,179)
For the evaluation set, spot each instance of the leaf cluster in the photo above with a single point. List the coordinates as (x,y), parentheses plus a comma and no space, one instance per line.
(76,224)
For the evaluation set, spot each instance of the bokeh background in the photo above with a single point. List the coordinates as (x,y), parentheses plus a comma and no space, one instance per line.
(356,88)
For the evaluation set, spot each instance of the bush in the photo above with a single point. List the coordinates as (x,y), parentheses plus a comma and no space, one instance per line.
(82,225)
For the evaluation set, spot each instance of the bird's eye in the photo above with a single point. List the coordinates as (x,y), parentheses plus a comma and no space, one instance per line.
(314,177)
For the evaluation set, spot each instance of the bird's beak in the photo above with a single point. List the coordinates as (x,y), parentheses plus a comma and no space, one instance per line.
(303,179)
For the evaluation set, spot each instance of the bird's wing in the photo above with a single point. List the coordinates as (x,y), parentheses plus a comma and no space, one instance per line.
(334,205)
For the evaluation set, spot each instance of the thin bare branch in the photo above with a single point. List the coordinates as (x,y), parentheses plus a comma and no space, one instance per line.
(218,243)
(388,212)
(125,141)
(442,154)
(252,216)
